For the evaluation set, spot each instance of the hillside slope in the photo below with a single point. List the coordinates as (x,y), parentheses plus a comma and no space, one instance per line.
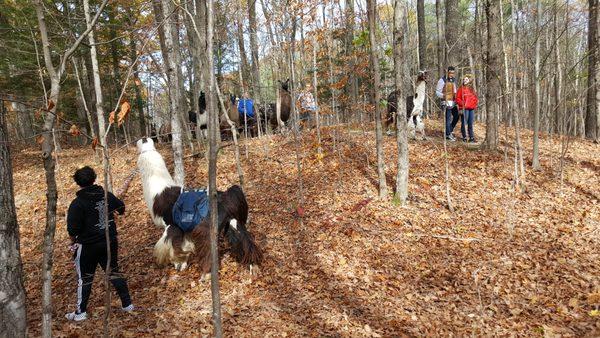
(503,263)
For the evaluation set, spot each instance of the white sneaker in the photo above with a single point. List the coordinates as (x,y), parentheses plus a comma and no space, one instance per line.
(129,308)
(77,317)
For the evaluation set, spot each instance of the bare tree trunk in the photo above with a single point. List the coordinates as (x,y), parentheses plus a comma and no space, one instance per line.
(181,113)
(138,93)
(592,119)
(174,94)
(352,87)
(515,109)
(254,52)
(234,135)
(401,133)
(97,88)
(440,41)
(493,73)
(536,116)
(213,129)
(422,35)
(314,80)
(12,303)
(452,33)
(558,72)
(242,48)
(372,17)
(85,105)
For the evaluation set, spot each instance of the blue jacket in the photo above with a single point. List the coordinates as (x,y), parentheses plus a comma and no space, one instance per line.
(247,106)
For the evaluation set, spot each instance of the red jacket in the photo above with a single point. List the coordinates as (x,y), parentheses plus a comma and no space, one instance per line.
(466,98)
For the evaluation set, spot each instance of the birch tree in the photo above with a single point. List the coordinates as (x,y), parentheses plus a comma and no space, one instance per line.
(97,89)
(401,132)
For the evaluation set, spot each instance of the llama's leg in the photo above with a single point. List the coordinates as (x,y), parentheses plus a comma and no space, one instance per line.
(411,129)
(163,249)
(421,127)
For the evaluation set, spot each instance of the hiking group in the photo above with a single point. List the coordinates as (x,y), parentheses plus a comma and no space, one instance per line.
(457,103)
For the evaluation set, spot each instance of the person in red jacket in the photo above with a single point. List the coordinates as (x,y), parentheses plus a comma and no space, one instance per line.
(466,99)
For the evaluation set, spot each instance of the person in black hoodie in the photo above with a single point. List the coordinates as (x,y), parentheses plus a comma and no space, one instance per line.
(86,224)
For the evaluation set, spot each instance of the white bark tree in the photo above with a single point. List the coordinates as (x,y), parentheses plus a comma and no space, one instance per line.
(401,132)
(97,89)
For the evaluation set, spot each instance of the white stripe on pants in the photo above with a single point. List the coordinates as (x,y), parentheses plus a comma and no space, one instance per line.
(79,278)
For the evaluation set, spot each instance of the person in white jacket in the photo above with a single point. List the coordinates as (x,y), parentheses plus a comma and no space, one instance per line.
(446,92)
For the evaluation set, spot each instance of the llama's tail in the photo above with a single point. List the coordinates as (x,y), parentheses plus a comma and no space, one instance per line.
(243,246)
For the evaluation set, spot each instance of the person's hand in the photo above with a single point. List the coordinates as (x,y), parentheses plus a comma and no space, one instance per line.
(73,247)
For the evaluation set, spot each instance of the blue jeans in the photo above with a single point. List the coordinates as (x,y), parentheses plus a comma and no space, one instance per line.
(451,119)
(468,114)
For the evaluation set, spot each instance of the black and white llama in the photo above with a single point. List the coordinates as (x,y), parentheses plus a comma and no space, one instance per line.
(201,119)
(176,246)
(414,108)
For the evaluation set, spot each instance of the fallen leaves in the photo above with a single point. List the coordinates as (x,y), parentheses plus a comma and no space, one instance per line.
(359,266)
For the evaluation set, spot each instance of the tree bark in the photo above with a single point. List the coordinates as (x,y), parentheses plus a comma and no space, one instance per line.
(592,118)
(493,73)
(88,114)
(254,52)
(139,103)
(174,94)
(213,129)
(422,35)
(114,52)
(440,41)
(12,292)
(401,132)
(97,89)
(536,116)
(352,86)
(452,36)
(242,49)
(372,17)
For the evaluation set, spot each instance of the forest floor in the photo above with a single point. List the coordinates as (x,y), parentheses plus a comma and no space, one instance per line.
(504,263)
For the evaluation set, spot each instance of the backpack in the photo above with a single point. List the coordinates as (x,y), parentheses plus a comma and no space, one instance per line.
(190,209)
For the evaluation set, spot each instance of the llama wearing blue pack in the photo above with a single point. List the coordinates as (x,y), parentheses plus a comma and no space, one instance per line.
(185,216)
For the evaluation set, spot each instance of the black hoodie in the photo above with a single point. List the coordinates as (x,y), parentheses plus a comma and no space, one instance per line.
(85,218)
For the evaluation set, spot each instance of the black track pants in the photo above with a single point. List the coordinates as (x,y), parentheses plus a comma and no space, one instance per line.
(87,258)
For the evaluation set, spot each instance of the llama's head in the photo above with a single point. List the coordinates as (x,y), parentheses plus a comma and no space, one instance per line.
(145,144)
(285,85)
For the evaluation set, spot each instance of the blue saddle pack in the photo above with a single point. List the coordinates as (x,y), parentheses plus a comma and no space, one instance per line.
(190,209)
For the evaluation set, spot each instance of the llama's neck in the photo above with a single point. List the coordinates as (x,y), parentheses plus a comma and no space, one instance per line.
(155,176)
(420,90)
